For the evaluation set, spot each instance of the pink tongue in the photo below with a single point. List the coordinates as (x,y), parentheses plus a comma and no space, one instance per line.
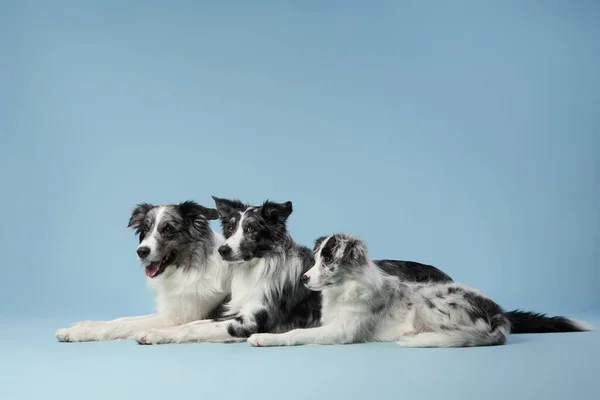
(152,269)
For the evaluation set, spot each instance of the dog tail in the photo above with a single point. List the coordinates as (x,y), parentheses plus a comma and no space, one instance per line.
(481,334)
(531,322)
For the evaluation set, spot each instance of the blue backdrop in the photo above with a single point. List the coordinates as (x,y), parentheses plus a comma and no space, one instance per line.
(463,134)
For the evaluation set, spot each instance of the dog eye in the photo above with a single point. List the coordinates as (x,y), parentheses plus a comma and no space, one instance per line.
(326,260)
(168,229)
(250,229)
(231,229)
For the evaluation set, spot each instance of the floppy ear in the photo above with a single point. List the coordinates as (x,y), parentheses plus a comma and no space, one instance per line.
(226,207)
(137,216)
(197,216)
(191,209)
(318,243)
(355,252)
(276,212)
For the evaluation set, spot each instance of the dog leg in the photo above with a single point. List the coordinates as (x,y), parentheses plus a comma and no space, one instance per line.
(319,335)
(198,331)
(121,328)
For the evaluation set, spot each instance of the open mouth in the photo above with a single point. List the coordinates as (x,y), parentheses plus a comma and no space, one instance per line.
(155,268)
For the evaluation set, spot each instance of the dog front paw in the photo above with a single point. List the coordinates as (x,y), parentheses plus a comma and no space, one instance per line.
(264,340)
(154,336)
(73,335)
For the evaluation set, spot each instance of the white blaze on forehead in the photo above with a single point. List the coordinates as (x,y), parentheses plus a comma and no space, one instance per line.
(235,240)
(315,272)
(151,238)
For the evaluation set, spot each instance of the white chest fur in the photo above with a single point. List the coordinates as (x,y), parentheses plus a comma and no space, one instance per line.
(189,294)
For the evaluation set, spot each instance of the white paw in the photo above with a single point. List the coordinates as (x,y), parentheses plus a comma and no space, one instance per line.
(74,334)
(155,336)
(264,340)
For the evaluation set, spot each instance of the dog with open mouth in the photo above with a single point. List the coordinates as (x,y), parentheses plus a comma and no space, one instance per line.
(179,252)
(266,265)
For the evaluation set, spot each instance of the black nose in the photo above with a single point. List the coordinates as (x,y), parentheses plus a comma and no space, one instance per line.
(224,250)
(143,251)
(305,278)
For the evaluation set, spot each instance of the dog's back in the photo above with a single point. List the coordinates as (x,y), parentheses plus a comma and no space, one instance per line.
(412,271)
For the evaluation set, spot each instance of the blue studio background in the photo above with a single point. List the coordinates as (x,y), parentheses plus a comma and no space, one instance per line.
(462,134)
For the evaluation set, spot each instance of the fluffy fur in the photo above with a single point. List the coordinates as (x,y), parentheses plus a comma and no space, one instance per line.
(179,252)
(363,303)
(267,294)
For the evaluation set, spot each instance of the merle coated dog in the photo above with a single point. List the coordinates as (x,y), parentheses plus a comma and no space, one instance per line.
(179,252)
(362,303)
(267,295)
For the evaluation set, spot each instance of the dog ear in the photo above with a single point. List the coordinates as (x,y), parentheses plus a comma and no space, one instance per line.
(318,242)
(137,216)
(197,216)
(226,207)
(192,210)
(276,212)
(355,252)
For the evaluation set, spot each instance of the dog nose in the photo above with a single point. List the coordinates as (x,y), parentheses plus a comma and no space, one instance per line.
(224,250)
(143,252)
(305,278)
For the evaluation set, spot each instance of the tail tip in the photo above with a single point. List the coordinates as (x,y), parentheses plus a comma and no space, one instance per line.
(582,325)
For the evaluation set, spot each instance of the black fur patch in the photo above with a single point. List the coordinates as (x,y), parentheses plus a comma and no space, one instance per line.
(136,221)
(318,243)
(454,290)
(483,308)
(378,308)
(530,322)
(412,271)
(195,218)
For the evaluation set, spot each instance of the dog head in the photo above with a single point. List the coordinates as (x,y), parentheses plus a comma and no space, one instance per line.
(168,232)
(251,231)
(337,258)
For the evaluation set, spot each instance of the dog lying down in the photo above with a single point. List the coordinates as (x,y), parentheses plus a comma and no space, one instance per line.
(361,303)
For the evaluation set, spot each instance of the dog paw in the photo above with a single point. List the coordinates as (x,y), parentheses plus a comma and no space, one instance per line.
(73,335)
(153,337)
(63,335)
(263,340)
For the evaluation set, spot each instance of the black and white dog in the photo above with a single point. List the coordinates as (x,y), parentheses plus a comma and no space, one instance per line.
(254,270)
(179,251)
(362,303)
(267,295)
(266,266)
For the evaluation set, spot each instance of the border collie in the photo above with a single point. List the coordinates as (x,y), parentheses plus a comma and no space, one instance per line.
(267,295)
(266,263)
(179,251)
(362,303)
